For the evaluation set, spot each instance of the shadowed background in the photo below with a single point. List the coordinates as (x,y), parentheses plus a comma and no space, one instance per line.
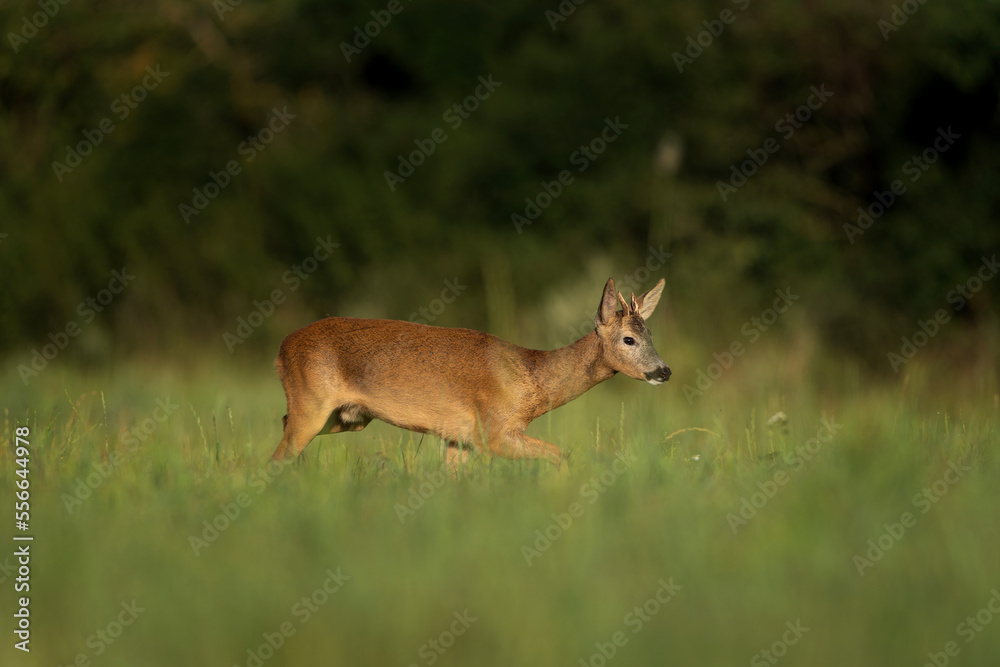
(225,70)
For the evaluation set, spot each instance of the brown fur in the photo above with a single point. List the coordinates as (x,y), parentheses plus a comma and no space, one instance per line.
(462,385)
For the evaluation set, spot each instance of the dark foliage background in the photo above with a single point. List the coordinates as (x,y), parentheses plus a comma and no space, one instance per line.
(656,185)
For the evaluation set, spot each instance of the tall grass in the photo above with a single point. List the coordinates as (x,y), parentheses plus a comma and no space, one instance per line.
(653,495)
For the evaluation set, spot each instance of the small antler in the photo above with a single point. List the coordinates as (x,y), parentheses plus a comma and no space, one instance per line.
(635,305)
(625,307)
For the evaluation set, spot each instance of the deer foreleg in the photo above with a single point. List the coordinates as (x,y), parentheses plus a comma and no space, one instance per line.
(521,446)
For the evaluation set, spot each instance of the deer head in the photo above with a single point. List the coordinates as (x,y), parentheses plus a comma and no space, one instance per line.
(627,346)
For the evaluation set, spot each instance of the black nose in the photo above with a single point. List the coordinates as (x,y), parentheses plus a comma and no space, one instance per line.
(662,374)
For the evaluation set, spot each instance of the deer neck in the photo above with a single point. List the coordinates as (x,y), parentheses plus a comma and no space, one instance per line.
(565,373)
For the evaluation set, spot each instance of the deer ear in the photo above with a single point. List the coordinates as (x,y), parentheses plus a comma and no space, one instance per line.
(626,311)
(609,304)
(647,302)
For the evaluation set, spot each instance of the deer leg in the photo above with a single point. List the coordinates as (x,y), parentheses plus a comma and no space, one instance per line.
(301,425)
(521,446)
(279,453)
(346,417)
(456,456)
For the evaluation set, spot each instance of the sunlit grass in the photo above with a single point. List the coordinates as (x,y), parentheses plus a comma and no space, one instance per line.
(755,525)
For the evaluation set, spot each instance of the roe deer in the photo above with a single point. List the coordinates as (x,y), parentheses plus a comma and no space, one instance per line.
(464,386)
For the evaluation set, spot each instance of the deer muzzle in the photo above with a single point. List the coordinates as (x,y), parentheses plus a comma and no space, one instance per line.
(659,375)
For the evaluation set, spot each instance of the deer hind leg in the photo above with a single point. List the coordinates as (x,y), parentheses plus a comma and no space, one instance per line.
(521,446)
(304,421)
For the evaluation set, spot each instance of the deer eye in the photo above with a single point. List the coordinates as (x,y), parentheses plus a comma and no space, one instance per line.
(628,340)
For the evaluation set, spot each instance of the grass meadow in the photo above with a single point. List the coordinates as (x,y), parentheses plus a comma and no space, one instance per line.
(861,531)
